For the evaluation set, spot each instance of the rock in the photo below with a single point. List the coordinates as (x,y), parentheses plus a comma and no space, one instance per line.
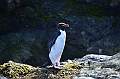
(83,78)
(101,70)
(114,76)
(93,57)
(71,69)
(24,46)
(17,70)
(112,63)
(13,70)
(116,56)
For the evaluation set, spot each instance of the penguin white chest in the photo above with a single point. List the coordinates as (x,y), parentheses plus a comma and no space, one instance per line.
(57,48)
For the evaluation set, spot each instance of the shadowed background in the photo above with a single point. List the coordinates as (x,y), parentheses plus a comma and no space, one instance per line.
(26,26)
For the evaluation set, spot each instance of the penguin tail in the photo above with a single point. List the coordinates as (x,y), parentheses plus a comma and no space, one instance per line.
(45,64)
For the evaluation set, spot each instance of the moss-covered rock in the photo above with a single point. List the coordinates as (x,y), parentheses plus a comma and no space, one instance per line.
(71,69)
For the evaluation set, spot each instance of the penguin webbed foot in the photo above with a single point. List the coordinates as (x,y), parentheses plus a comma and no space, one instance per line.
(58,67)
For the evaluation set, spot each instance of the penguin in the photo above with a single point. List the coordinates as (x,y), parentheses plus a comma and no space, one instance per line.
(56,46)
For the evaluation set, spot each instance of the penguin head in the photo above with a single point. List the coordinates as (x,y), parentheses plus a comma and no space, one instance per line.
(62,26)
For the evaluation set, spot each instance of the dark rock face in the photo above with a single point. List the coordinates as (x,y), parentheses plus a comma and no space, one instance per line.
(25,27)
(24,46)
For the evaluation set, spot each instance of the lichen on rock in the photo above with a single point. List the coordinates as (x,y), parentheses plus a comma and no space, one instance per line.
(14,70)
(81,68)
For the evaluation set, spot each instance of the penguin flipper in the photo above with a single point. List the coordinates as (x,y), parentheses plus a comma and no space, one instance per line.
(52,40)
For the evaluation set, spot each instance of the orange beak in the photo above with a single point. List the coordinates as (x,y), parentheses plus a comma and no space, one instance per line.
(66,25)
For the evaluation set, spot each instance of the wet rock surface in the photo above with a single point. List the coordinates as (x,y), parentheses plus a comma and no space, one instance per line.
(82,68)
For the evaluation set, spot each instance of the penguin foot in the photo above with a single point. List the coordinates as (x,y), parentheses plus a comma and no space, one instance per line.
(61,65)
(57,67)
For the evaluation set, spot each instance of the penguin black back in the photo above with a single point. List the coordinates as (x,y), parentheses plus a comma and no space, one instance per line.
(52,40)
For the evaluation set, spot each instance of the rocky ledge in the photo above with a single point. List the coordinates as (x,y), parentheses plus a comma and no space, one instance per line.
(89,67)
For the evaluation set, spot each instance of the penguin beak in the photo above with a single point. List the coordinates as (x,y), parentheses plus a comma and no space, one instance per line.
(66,25)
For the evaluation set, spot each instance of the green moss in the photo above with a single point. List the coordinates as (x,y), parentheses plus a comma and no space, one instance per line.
(46,18)
(43,16)
(87,9)
(95,10)
(39,9)
(34,23)
(115,22)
